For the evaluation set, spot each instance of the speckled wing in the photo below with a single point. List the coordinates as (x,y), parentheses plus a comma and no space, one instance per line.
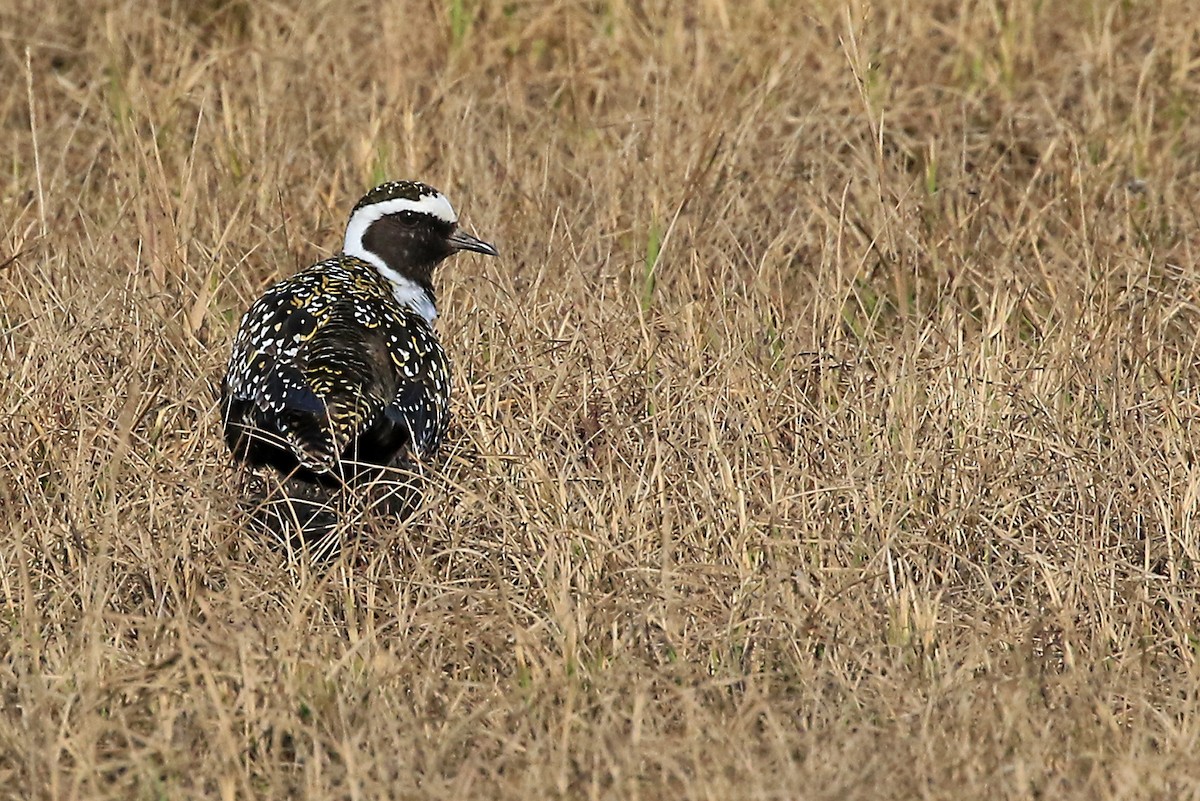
(268,403)
(419,409)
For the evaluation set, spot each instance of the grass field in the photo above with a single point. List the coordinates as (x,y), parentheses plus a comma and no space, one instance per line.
(828,428)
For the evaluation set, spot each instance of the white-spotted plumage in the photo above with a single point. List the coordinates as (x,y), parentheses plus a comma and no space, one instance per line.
(338,368)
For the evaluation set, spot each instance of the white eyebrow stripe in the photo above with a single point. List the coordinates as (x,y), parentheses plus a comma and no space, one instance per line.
(407,292)
(436,205)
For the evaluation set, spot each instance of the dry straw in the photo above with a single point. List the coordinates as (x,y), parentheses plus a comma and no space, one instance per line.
(827,430)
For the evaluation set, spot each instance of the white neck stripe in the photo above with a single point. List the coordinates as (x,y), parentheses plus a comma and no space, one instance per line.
(408,293)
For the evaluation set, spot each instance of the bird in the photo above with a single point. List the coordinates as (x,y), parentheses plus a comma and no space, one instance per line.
(337,372)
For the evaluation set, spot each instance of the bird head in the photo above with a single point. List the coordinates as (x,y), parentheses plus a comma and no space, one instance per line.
(406,229)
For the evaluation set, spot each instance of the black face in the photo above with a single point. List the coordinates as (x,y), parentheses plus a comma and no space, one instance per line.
(410,243)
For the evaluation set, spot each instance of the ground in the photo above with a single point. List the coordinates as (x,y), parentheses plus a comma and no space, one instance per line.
(826,429)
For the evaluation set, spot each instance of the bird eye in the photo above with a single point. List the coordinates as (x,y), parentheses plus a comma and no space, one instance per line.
(405,218)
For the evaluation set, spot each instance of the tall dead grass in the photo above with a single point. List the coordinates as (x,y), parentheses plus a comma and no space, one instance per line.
(828,428)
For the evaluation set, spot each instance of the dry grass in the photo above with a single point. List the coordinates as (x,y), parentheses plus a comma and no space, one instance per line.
(828,428)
